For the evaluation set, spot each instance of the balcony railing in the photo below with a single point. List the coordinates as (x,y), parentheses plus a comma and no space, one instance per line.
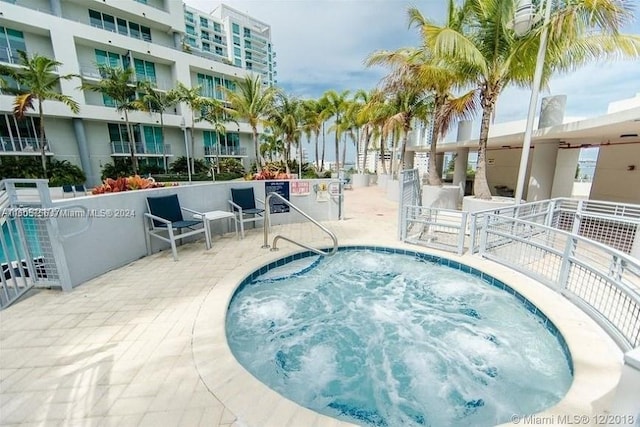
(23,145)
(142,149)
(225,151)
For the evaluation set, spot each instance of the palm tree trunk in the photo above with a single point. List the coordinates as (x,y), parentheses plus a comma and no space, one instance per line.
(43,154)
(164,155)
(317,153)
(300,160)
(192,159)
(433,177)
(382,155)
(254,130)
(323,148)
(132,144)
(403,147)
(337,152)
(365,150)
(344,150)
(480,185)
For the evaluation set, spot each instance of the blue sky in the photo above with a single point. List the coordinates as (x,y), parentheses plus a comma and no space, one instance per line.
(322,44)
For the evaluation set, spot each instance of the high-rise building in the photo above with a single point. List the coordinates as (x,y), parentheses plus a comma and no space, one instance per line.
(164,42)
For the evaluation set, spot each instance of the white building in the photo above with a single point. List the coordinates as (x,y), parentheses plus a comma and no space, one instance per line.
(155,38)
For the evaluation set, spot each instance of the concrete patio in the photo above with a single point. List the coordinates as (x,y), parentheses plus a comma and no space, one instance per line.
(126,349)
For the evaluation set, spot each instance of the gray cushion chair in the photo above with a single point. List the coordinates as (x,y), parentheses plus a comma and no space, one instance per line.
(165,222)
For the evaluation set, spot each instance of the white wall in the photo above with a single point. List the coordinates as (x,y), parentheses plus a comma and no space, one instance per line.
(110,243)
(565,173)
(504,170)
(37,43)
(612,180)
(63,140)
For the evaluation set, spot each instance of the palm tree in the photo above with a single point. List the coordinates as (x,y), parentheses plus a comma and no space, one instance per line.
(335,106)
(40,82)
(155,101)
(251,102)
(481,41)
(216,116)
(285,117)
(271,145)
(119,85)
(438,78)
(312,123)
(197,104)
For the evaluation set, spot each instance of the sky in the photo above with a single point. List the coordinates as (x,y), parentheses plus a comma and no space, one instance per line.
(322,45)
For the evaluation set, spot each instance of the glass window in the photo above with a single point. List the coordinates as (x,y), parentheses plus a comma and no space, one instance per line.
(122,27)
(11,41)
(206,47)
(232,139)
(109,22)
(249,65)
(217,38)
(236,28)
(134,30)
(108,101)
(192,42)
(95,18)
(236,40)
(219,50)
(204,35)
(191,30)
(216,27)
(247,55)
(247,32)
(247,44)
(146,33)
(236,51)
(145,71)
(210,138)
(237,62)
(204,22)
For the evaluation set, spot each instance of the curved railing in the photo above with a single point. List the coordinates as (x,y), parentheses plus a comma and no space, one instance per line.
(274,247)
(603,281)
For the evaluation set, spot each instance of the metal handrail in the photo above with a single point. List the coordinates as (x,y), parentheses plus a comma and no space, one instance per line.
(267,223)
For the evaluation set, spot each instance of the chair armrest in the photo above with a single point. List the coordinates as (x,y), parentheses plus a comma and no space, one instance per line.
(193,211)
(234,205)
(157,218)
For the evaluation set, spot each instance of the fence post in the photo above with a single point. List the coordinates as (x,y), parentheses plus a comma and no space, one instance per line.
(565,267)
(462,232)
(472,237)
(483,235)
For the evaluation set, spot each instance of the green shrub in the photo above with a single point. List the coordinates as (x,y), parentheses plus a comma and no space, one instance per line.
(180,166)
(232,166)
(59,171)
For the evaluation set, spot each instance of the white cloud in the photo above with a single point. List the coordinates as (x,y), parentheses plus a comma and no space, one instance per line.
(321,44)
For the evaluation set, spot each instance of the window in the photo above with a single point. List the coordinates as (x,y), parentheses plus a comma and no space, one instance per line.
(192,42)
(142,1)
(206,47)
(17,134)
(112,59)
(188,16)
(247,55)
(109,22)
(146,33)
(122,27)
(204,35)
(247,44)
(153,140)
(217,27)
(217,38)
(204,23)
(249,65)
(236,51)
(145,70)
(236,40)
(191,30)
(11,41)
(119,25)
(119,138)
(210,138)
(237,62)
(219,51)
(95,18)
(247,32)
(236,28)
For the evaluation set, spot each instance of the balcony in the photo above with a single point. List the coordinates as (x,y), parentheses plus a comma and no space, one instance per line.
(23,146)
(225,151)
(121,148)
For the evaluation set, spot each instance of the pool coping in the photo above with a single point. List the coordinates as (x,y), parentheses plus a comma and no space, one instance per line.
(596,361)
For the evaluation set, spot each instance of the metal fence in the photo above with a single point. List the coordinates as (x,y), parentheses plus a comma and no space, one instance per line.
(436,228)
(603,281)
(410,195)
(31,253)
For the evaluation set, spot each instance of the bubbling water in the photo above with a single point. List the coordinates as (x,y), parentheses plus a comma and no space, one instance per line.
(381,339)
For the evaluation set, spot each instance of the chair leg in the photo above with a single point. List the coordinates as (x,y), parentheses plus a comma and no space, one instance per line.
(207,234)
(172,239)
(147,239)
(241,229)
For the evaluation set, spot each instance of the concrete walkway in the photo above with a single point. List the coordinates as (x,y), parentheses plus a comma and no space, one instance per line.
(119,350)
